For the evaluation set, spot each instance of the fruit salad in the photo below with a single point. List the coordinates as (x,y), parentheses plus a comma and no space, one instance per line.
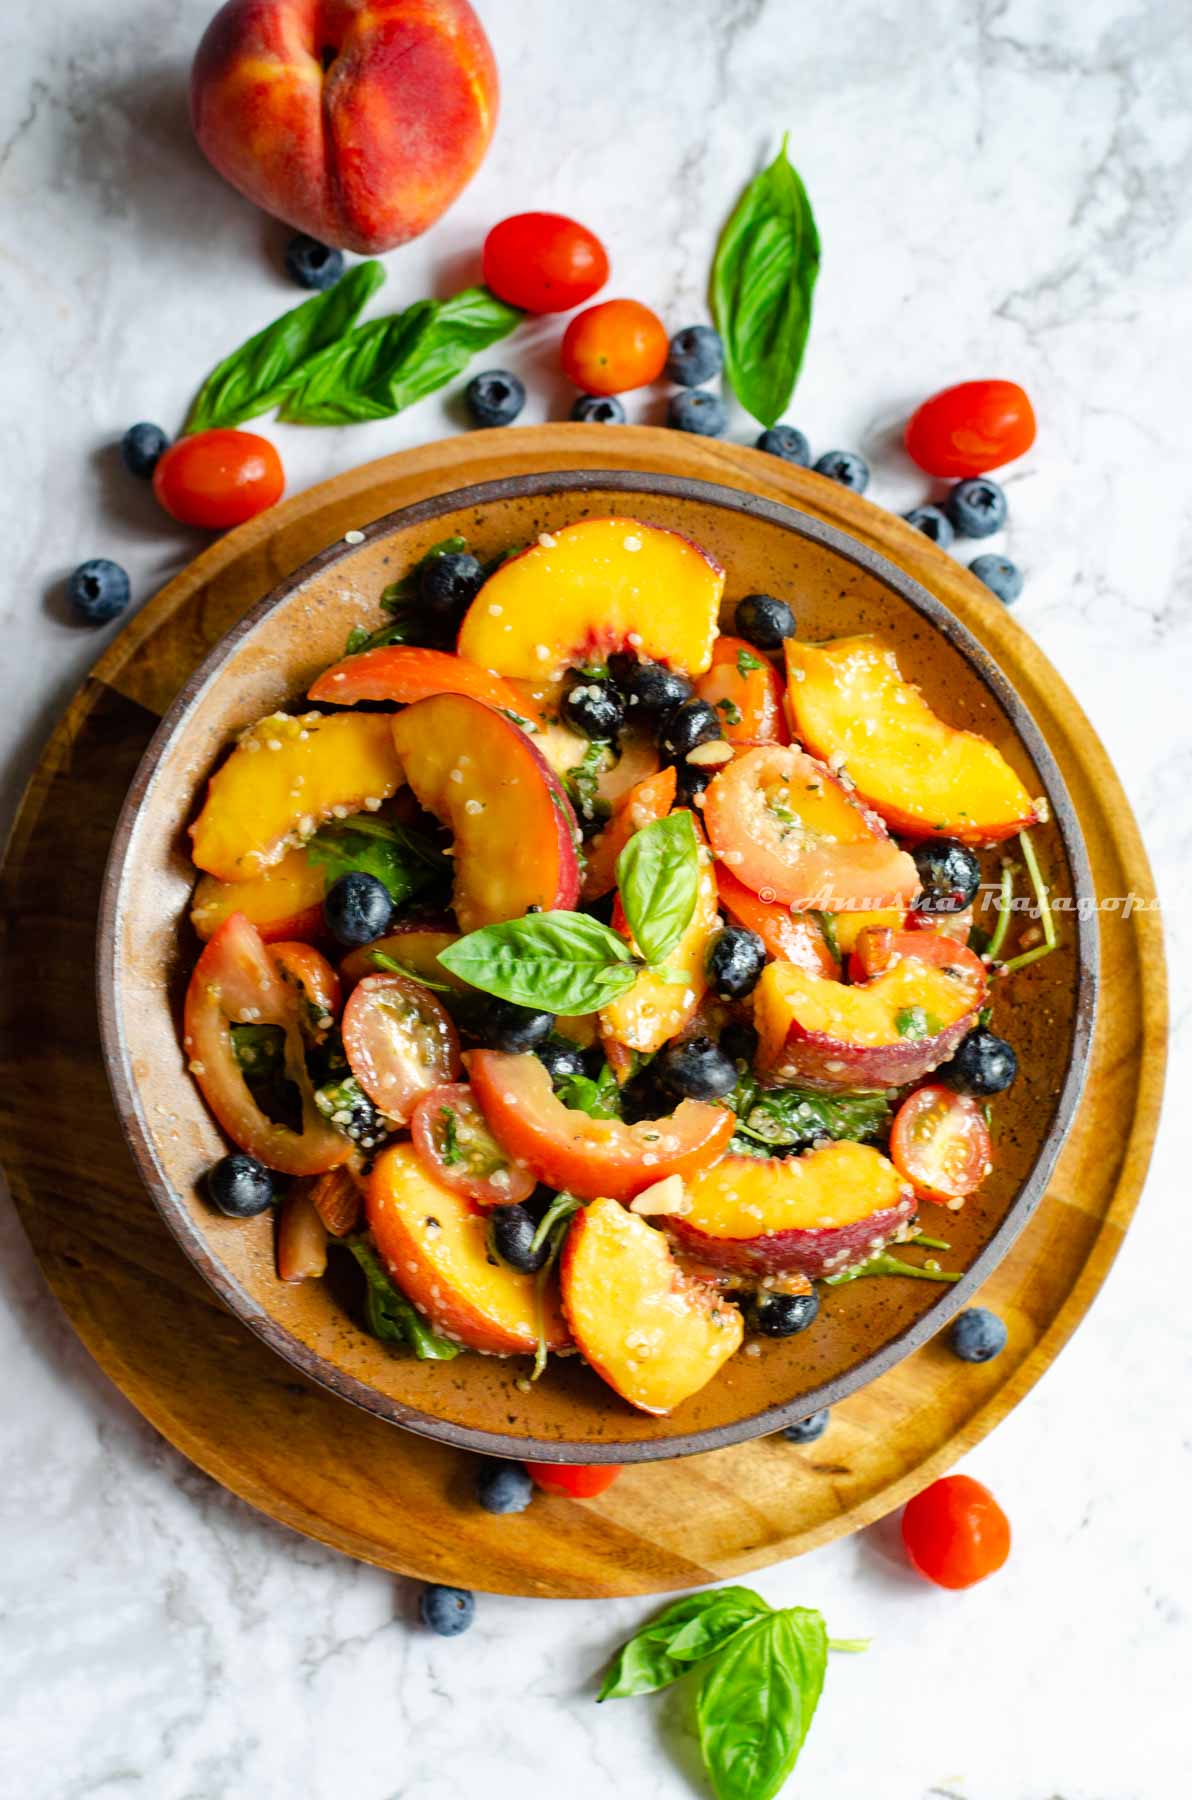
(603,982)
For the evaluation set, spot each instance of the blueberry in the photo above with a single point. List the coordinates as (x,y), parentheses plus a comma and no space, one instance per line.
(696,1069)
(739,1041)
(933,522)
(692,780)
(696,355)
(977,1335)
(594,708)
(782,1315)
(950,875)
(99,590)
(504,1026)
(240,1186)
(999,574)
(650,689)
(311,264)
(448,584)
(977,508)
(846,467)
(696,410)
(598,409)
(510,1236)
(357,908)
(495,397)
(764,621)
(786,442)
(447,1610)
(735,962)
(503,1487)
(695,722)
(561,1058)
(142,447)
(984,1064)
(807,1430)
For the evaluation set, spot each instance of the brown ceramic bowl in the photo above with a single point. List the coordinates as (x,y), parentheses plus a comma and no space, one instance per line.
(146,951)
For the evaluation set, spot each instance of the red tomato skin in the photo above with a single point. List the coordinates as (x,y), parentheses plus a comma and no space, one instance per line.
(481,1189)
(962,1111)
(216,479)
(971,428)
(613,347)
(544,262)
(577,1481)
(955,1533)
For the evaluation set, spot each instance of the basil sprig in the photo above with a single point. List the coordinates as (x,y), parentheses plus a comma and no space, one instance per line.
(658,881)
(763,278)
(387,1312)
(560,962)
(403,861)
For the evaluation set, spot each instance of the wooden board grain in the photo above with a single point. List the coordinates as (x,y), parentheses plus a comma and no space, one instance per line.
(341,1475)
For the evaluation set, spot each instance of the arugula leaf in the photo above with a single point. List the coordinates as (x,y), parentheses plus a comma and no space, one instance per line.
(757,1700)
(789,1117)
(763,278)
(658,881)
(384,366)
(254,378)
(685,1633)
(405,861)
(560,962)
(600,1098)
(389,1315)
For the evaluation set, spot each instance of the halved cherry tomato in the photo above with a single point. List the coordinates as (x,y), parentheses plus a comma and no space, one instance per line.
(746,690)
(405,673)
(399,1042)
(316,984)
(578,1481)
(219,478)
(967,429)
(789,936)
(301,1238)
(544,262)
(940,1143)
(456,1147)
(955,1533)
(878,946)
(617,345)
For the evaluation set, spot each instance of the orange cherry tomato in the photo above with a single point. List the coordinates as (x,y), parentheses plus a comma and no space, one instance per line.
(746,690)
(456,1148)
(578,1481)
(940,1142)
(617,345)
(955,1533)
(544,262)
(219,478)
(967,429)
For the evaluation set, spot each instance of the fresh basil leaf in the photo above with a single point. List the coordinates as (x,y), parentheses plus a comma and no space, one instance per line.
(882,1263)
(658,881)
(389,1315)
(390,965)
(648,1661)
(599,1097)
(763,278)
(384,366)
(253,379)
(404,861)
(756,1701)
(560,962)
(796,1117)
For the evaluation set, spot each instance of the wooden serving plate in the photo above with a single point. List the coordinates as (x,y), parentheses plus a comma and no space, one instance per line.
(349,1478)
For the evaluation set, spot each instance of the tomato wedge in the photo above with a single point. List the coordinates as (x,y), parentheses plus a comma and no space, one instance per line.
(236,982)
(399,1042)
(747,691)
(576,1481)
(645,802)
(456,1148)
(878,948)
(940,1143)
(316,987)
(405,673)
(592,1158)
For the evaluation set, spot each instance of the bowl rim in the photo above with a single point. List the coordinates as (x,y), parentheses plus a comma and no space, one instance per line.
(174,1211)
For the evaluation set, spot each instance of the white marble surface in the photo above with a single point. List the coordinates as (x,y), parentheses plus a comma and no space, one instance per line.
(1002,187)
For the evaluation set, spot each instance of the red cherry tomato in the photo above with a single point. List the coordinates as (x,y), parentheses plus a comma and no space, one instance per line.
(747,691)
(399,1042)
(544,262)
(579,1481)
(968,429)
(617,345)
(955,1532)
(219,478)
(940,1143)
(308,970)
(456,1147)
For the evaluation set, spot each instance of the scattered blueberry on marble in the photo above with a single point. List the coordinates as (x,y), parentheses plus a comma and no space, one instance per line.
(698,411)
(311,264)
(786,442)
(933,522)
(977,507)
(696,355)
(503,1487)
(598,409)
(447,1610)
(978,1335)
(846,467)
(495,397)
(99,590)
(808,1430)
(142,447)
(1000,575)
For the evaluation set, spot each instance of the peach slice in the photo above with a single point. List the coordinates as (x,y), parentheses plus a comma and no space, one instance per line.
(848,926)
(590,589)
(645,802)
(434,1244)
(405,673)
(415,947)
(881,1033)
(851,705)
(285,777)
(790,831)
(514,830)
(809,1214)
(789,936)
(655,1334)
(285,901)
(660,1002)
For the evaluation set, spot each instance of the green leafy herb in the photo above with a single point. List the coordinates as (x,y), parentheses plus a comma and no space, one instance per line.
(384,366)
(827,924)
(600,1098)
(658,881)
(389,1315)
(390,965)
(256,377)
(663,1651)
(1042,907)
(551,1230)
(916,1022)
(560,962)
(358,640)
(1005,908)
(260,1051)
(763,278)
(790,1118)
(401,592)
(582,782)
(730,709)
(746,661)
(884,1264)
(449,1149)
(405,861)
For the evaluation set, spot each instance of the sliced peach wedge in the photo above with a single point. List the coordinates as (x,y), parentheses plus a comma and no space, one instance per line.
(284,901)
(851,705)
(655,1334)
(789,936)
(415,947)
(592,588)
(645,802)
(405,673)
(513,826)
